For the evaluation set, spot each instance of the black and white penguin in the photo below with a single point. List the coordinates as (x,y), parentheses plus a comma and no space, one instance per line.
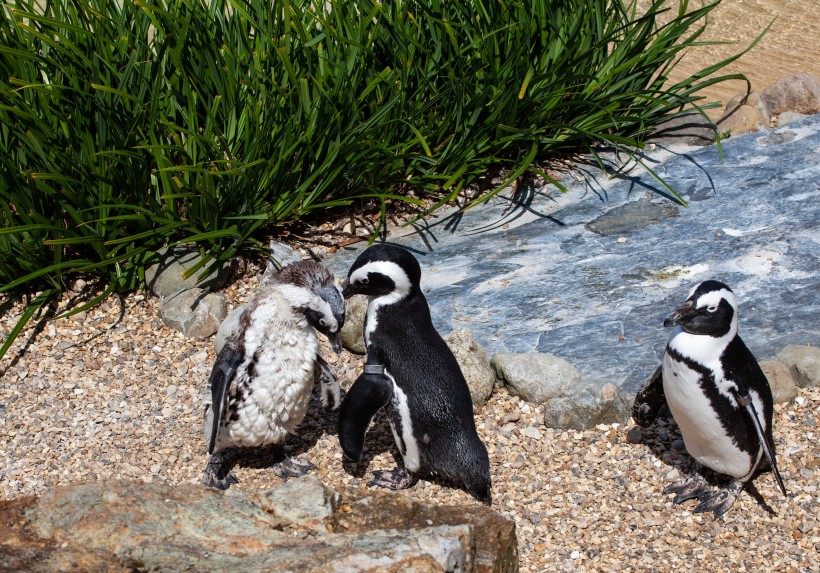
(718,396)
(263,377)
(412,372)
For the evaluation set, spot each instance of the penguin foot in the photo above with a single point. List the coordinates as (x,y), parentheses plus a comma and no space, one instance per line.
(693,487)
(218,473)
(293,468)
(396,479)
(720,501)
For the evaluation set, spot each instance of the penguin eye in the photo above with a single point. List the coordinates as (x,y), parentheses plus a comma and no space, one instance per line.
(363,280)
(322,322)
(712,308)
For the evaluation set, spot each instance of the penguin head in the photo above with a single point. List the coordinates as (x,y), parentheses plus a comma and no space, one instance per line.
(383,270)
(311,288)
(710,310)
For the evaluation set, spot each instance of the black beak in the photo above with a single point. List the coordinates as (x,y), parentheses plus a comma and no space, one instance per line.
(349,290)
(682,315)
(335,340)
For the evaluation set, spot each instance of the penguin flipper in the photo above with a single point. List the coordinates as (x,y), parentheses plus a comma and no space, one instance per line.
(227,361)
(768,449)
(649,400)
(369,394)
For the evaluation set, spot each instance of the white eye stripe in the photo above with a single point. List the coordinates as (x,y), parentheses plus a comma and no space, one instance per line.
(386,268)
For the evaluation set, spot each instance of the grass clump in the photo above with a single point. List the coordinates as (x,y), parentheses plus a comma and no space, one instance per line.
(127,126)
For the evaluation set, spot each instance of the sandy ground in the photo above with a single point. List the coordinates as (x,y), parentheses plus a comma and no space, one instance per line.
(791,45)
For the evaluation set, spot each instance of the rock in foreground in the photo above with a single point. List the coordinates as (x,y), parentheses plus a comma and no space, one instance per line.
(302,526)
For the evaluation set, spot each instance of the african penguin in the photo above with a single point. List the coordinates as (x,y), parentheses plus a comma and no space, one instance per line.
(412,372)
(718,396)
(262,380)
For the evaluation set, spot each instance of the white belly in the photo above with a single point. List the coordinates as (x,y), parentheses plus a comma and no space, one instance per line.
(704,436)
(410,453)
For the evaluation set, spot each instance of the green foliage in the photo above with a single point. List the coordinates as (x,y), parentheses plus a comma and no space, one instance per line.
(125,126)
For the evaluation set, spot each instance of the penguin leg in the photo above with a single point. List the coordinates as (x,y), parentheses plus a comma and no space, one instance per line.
(694,486)
(286,467)
(329,391)
(396,479)
(719,502)
(218,473)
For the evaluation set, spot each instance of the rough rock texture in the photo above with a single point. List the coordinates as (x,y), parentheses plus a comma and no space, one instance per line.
(353,330)
(589,405)
(535,377)
(781,381)
(804,362)
(798,92)
(165,278)
(788,117)
(194,312)
(121,526)
(746,117)
(474,363)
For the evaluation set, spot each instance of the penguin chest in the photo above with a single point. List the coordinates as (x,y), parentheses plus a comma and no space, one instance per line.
(691,394)
(271,397)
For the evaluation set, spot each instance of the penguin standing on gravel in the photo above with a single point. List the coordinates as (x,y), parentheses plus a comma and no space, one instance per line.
(412,372)
(263,377)
(718,396)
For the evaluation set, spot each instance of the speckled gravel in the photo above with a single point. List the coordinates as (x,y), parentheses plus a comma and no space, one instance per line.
(113,393)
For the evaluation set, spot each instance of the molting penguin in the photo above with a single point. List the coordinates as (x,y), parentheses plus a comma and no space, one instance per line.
(262,380)
(717,394)
(411,371)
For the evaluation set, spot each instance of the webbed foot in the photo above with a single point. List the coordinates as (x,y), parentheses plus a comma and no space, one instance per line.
(720,501)
(218,472)
(292,468)
(396,479)
(693,487)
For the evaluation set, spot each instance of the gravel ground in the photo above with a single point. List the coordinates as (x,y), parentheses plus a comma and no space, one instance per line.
(112,393)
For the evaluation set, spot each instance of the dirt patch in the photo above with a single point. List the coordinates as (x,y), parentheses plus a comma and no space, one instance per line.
(791,45)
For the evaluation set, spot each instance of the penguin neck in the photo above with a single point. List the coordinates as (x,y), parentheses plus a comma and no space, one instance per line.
(376,303)
(701,348)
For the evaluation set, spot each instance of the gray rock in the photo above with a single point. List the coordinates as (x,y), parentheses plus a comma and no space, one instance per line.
(780,379)
(474,363)
(804,363)
(283,254)
(631,216)
(165,278)
(535,377)
(304,527)
(352,334)
(227,327)
(194,312)
(688,129)
(789,117)
(591,403)
(797,92)
(305,502)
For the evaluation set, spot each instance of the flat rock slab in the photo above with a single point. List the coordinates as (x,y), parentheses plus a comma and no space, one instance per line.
(589,275)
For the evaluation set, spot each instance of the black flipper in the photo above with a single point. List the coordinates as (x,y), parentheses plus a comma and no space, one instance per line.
(649,400)
(227,361)
(768,449)
(370,393)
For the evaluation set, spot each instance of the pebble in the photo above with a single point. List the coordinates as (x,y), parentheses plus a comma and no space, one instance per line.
(582,500)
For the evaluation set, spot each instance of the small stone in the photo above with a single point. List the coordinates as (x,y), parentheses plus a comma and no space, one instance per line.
(678,445)
(635,435)
(531,432)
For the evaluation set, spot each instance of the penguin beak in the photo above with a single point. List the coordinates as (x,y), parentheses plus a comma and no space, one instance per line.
(349,290)
(335,340)
(682,315)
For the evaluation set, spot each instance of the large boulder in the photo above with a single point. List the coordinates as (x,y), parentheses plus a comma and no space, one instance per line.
(799,93)
(194,312)
(474,363)
(352,334)
(534,376)
(804,363)
(302,526)
(688,129)
(590,403)
(281,255)
(227,327)
(780,380)
(166,277)
(744,114)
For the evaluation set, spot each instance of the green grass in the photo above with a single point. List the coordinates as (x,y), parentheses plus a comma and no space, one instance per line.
(127,128)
